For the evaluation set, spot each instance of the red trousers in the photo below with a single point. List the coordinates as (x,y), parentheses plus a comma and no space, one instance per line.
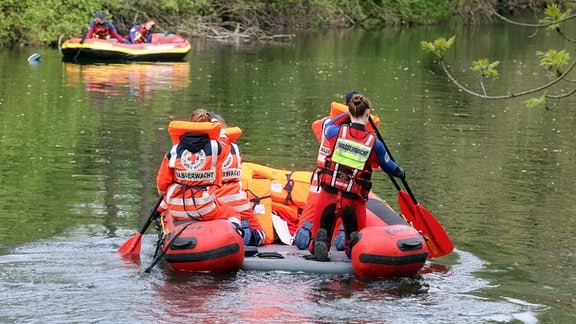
(332,206)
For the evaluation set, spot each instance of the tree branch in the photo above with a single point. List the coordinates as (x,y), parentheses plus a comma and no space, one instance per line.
(509,96)
(532,25)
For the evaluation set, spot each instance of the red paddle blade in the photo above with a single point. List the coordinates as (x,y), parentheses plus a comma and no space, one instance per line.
(132,246)
(439,244)
(407,207)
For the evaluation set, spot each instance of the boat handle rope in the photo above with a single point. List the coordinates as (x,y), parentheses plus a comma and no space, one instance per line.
(161,255)
(289,187)
(256,200)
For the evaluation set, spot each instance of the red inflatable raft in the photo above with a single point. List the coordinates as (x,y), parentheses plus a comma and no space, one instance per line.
(388,247)
(212,246)
(388,251)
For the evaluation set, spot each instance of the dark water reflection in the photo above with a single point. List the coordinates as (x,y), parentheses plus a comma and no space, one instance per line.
(80,146)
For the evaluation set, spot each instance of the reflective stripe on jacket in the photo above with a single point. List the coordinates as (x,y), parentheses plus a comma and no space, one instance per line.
(232,166)
(189,202)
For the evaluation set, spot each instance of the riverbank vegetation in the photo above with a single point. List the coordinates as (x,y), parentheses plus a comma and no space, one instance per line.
(28,22)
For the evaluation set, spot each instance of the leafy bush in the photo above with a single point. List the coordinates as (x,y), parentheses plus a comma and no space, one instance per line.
(27,22)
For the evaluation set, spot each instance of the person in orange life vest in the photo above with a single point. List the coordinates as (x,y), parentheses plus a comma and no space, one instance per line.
(303,235)
(345,177)
(141,33)
(232,193)
(102,29)
(189,175)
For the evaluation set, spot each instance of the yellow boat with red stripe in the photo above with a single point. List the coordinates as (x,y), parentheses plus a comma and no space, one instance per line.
(163,47)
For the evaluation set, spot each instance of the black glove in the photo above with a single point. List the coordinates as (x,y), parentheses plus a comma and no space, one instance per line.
(399,173)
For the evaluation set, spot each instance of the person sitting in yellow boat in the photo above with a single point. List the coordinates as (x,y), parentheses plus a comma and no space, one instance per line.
(141,33)
(191,172)
(101,29)
(232,192)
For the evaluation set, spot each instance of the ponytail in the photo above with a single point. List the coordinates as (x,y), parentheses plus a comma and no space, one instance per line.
(358,105)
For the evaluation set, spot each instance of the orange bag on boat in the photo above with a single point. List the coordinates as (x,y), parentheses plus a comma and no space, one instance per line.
(258,193)
(286,187)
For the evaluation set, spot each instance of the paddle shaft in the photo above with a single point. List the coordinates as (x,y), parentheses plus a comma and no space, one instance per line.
(153,213)
(392,158)
(80,49)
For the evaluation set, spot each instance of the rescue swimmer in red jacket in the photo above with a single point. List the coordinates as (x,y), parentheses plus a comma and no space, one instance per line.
(141,33)
(345,177)
(190,174)
(101,29)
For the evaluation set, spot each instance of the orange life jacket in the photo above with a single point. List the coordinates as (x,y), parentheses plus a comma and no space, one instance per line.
(177,128)
(202,168)
(195,176)
(274,190)
(258,192)
(233,133)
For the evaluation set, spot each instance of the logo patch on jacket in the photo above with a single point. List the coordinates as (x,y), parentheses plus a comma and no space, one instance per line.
(193,161)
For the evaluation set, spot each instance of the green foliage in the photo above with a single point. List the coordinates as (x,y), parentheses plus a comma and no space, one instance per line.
(426,12)
(553,61)
(30,22)
(12,22)
(439,46)
(27,22)
(176,6)
(536,101)
(553,14)
(398,12)
(486,68)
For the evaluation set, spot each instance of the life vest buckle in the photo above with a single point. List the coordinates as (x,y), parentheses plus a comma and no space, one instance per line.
(343,177)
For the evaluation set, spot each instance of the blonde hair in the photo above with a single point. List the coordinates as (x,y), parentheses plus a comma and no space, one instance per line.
(203,115)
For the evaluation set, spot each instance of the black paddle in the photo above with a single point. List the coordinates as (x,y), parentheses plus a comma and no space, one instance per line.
(81,46)
(133,245)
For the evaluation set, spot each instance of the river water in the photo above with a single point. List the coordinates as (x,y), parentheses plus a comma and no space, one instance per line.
(81,144)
